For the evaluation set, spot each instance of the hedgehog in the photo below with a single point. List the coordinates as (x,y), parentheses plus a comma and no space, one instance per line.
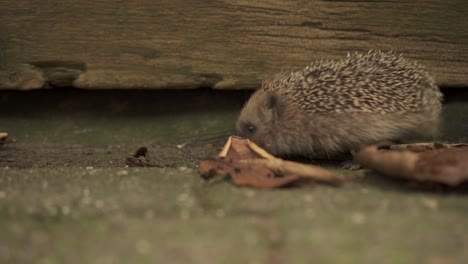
(332,107)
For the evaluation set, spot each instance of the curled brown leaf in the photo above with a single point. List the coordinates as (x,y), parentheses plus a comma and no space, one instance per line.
(140,158)
(425,146)
(249,174)
(247,164)
(3,138)
(446,165)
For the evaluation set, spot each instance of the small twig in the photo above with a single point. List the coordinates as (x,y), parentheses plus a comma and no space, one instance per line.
(303,170)
(261,165)
(261,152)
(226,148)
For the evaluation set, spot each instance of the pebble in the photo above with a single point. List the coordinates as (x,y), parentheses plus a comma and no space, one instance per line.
(65,210)
(183,168)
(99,204)
(45,184)
(184,214)
(149,214)
(142,246)
(249,193)
(308,198)
(180,146)
(122,173)
(358,218)
(430,203)
(364,190)
(309,213)
(220,213)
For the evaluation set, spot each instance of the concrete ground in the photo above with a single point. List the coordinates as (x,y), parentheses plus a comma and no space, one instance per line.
(67,197)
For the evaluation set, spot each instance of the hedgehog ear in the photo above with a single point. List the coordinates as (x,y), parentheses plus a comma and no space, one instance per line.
(274,104)
(272,101)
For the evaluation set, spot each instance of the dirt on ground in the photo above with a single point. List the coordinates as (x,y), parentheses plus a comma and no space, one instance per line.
(25,156)
(67,196)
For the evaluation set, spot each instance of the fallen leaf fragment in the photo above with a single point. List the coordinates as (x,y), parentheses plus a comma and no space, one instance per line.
(238,148)
(420,147)
(447,165)
(249,174)
(247,164)
(3,138)
(299,169)
(141,158)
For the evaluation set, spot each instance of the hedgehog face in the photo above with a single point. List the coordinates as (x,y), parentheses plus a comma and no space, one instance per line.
(257,118)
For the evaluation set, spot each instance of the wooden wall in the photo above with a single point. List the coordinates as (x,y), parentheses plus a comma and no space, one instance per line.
(157,44)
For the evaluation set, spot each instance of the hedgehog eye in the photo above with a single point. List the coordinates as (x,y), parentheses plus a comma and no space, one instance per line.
(250,128)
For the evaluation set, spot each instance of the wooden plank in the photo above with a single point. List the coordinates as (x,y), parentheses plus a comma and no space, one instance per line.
(221,44)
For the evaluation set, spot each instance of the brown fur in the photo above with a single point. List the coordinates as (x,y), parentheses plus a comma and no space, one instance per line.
(286,123)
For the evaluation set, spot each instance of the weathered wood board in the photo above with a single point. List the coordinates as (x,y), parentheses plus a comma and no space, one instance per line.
(220,44)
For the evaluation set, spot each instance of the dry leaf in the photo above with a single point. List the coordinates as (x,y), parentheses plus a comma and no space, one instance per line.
(3,138)
(247,164)
(299,169)
(447,165)
(237,148)
(420,147)
(141,158)
(249,174)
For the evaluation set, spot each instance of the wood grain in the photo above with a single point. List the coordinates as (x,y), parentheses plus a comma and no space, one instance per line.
(219,44)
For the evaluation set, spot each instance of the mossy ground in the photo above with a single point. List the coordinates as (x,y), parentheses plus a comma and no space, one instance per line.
(67,197)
